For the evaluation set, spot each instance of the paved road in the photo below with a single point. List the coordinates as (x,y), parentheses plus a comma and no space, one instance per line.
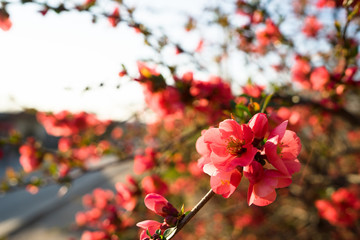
(47,216)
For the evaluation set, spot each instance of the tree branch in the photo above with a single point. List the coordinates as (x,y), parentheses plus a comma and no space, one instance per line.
(192,213)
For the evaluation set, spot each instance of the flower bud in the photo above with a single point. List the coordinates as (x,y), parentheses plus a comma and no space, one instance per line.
(259,125)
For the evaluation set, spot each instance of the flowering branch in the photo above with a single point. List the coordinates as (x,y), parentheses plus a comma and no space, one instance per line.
(341,112)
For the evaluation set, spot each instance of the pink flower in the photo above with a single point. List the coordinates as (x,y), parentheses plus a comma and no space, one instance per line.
(164,102)
(117,133)
(319,78)
(327,211)
(343,209)
(148,225)
(349,74)
(114,18)
(270,34)
(64,144)
(162,207)
(80,218)
(29,159)
(97,235)
(225,183)
(210,97)
(282,148)
(154,184)
(102,197)
(253,90)
(200,45)
(259,125)
(86,153)
(263,182)
(230,145)
(5,22)
(204,150)
(311,26)
(300,71)
(145,162)
(65,123)
(327,3)
(125,197)
(159,205)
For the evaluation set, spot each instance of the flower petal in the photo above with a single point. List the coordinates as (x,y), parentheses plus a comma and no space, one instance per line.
(272,155)
(279,130)
(291,145)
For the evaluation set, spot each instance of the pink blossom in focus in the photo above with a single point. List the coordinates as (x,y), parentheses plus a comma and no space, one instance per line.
(148,225)
(162,207)
(259,125)
(230,145)
(282,148)
(263,182)
(225,183)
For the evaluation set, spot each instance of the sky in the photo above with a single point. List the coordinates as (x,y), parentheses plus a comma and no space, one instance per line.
(47,61)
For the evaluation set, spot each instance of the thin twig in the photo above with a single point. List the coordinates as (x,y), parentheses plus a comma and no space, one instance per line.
(192,213)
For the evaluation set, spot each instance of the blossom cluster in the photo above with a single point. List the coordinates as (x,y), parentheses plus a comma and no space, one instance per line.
(210,97)
(234,150)
(342,210)
(107,212)
(30,157)
(66,124)
(75,149)
(144,162)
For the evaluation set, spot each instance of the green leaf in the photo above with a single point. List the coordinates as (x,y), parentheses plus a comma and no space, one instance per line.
(354,12)
(169,233)
(158,231)
(242,109)
(266,102)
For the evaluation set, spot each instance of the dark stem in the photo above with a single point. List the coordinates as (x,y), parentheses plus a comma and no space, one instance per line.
(192,213)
